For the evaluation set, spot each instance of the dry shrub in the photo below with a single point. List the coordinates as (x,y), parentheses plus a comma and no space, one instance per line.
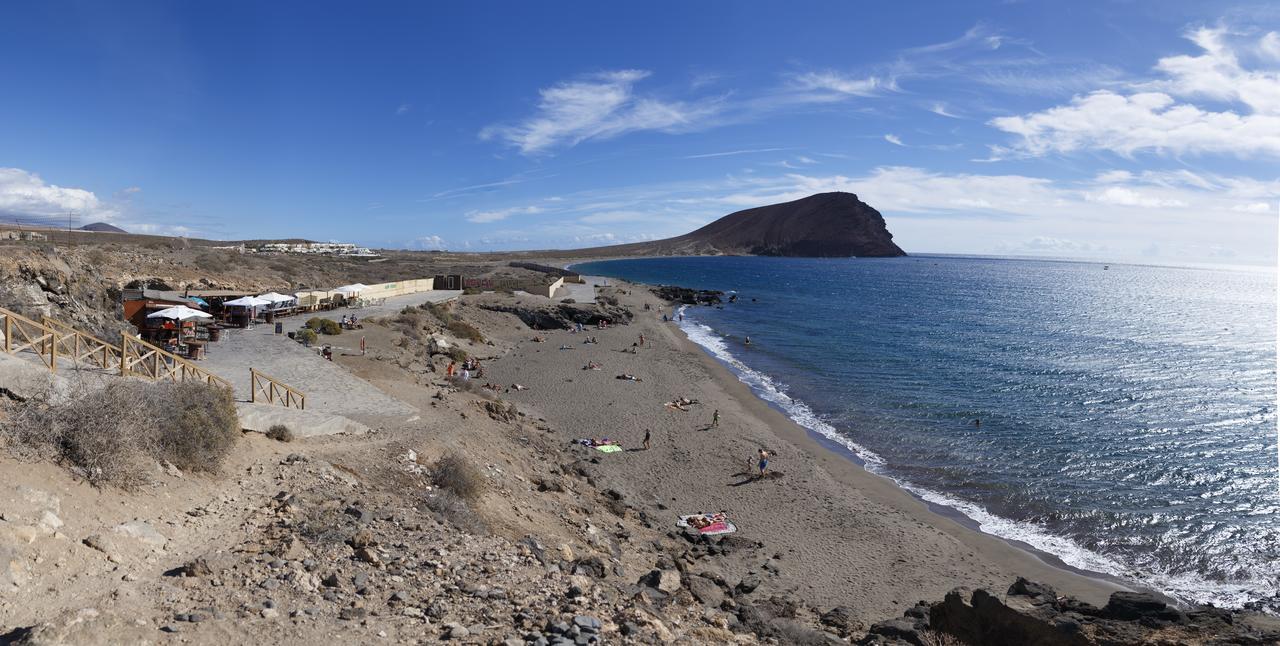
(440,311)
(457,354)
(455,510)
(280,433)
(459,475)
(465,330)
(936,638)
(117,434)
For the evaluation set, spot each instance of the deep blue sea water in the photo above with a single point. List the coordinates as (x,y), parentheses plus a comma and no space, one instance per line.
(1128,420)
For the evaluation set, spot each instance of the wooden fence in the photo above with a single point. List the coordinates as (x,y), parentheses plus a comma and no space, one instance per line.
(50,339)
(80,346)
(22,333)
(142,359)
(274,391)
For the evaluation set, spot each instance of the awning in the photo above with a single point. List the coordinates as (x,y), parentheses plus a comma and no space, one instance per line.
(354,288)
(273,297)
(180,313)
(247,301)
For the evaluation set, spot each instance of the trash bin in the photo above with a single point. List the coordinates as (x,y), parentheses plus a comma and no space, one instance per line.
(279,327)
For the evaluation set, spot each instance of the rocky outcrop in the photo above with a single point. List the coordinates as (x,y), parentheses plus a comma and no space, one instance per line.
(1033,613)
(687,296)
(562,316)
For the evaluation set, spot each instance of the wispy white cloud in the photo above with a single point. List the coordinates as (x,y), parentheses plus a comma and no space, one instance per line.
(940,109)
(1150,119)
(461,190)
(26,196)
(729,153)
(403,109)
(843,84)
(600,106)
(495,215)
(894,139)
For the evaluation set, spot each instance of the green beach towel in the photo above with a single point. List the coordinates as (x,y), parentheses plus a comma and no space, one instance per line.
(609,448)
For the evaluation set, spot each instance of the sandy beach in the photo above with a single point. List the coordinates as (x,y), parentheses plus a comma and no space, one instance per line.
(838,534)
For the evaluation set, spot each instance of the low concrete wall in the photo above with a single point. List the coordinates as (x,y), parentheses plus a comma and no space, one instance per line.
(548,290)
(398,288)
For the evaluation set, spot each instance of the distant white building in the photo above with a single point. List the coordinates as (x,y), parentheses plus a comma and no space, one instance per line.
(330,248)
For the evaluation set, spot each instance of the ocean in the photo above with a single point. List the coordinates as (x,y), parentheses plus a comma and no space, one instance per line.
(1128,421)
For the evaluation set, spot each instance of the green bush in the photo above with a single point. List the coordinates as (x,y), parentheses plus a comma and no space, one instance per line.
(457,354)
(306,336)
(324,325)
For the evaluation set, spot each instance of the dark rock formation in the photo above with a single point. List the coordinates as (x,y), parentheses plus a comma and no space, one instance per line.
(562,316)
(827,225)
(1033,613)
(688,296)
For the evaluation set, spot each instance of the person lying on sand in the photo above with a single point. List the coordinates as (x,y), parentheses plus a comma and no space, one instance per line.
(491,386)
(565,347)
(538,339)
(677,405)
(591,365)
(518,387)
(628,377)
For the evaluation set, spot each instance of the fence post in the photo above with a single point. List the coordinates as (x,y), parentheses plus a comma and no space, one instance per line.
(8,333)
(53,348)
(253,386)
(124,354)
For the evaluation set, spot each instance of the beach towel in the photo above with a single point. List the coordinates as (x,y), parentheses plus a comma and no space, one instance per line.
(717,524)
(609,448)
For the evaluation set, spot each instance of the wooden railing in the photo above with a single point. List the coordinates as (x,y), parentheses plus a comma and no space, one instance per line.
(22,333)
(274,391)
(80,346)
(50,339)
(142,359)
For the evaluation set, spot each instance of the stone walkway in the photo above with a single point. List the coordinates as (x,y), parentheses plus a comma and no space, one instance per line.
(329,388)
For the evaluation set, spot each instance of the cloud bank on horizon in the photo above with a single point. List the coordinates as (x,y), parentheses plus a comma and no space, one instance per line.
(998,135)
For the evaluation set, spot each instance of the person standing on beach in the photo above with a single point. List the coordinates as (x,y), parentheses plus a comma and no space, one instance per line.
(764,461)
(449,371)
(646,439)
(715,418)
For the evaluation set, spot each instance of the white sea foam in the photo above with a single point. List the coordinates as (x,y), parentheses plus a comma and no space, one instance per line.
(1183,586)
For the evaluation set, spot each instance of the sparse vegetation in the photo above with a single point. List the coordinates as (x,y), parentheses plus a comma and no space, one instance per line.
(459,484)
(453,509)
(458,474)
(324,325)
(465,330)
(306,336)
(280,433)
(116,435)
(457,354)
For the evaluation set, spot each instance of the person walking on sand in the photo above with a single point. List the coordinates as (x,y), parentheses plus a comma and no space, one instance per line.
(764,462)
(646,439)
(715,418)
(449,371)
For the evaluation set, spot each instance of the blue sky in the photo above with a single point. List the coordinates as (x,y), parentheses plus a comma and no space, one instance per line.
(1120,130)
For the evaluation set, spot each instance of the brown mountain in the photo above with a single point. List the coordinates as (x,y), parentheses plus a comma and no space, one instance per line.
(822,225)
(102,227)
